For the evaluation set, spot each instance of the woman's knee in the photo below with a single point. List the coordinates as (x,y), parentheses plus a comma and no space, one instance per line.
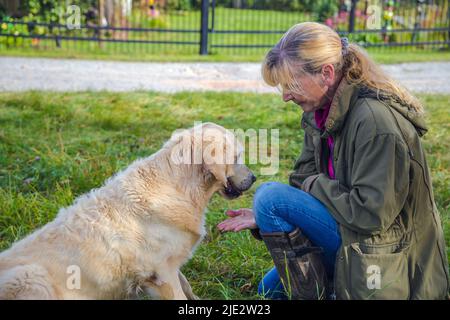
(266,205)
(265,196)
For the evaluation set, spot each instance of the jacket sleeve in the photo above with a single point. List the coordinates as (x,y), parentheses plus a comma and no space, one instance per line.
(378,190)
(305,166)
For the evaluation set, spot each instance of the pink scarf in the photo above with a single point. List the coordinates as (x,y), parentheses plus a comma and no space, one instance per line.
(321,116)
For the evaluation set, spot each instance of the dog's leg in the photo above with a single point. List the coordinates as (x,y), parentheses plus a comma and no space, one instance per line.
(174,281)
(185,285)
(167,287)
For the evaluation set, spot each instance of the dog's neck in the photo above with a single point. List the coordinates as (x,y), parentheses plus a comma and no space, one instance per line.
(183,191)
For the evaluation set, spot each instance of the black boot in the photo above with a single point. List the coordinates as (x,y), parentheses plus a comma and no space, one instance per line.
(298,263)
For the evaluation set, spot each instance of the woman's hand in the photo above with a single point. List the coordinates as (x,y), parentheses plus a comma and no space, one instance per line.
(240,219)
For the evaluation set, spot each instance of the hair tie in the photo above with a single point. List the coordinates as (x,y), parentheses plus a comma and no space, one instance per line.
(344,43)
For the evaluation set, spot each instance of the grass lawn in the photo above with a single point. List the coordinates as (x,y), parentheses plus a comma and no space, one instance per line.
(56,146)
(385,56)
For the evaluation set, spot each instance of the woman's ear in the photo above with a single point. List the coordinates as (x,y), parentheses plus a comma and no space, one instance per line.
(328,75)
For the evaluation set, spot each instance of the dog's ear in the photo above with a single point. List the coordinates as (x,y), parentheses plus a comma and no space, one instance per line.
(180,145)
(219,171)
(214,154)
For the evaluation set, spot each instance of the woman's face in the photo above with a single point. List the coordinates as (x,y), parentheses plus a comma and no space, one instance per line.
(315,89)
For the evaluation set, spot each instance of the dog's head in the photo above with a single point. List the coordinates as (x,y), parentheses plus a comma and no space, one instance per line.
(220,155)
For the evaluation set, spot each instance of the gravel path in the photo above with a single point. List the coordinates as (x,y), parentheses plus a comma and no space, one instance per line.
(19,74)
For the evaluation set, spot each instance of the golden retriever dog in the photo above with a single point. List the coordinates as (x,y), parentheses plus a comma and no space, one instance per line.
(131,236)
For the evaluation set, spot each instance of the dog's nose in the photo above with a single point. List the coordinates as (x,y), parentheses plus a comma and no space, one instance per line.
(253,178)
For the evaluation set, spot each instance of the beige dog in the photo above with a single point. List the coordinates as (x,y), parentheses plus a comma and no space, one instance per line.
(132,235)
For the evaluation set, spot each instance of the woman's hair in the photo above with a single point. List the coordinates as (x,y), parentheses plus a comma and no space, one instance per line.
(307,46)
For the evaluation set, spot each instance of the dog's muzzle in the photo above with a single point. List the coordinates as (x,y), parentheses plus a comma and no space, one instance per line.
(232,191)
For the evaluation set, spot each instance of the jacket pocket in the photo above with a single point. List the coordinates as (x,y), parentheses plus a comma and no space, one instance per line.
(379,272)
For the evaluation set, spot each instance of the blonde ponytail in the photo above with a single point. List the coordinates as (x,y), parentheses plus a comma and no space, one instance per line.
(359,68)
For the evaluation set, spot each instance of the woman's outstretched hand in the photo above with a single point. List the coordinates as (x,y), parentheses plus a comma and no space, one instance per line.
(238,220)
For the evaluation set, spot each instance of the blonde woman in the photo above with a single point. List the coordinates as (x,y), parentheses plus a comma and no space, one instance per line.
(358,218)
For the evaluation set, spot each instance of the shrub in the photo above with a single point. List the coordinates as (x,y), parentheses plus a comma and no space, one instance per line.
(179,4)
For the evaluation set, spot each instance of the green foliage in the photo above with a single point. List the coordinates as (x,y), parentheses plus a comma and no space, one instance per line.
(179,5)
(52,11)
(322,8)
(282,5)
(45,10)
(365,38)
(2,12)
(325,9)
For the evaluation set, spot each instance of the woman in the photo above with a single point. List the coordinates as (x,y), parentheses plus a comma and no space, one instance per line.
(359,208)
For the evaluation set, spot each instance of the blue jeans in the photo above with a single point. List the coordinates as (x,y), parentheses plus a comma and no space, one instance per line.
(281,208)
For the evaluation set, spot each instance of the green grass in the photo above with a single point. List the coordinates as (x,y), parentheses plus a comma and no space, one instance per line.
(385,56)
(57,146)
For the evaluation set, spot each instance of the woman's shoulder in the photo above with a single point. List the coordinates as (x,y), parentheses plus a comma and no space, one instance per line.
(372,115)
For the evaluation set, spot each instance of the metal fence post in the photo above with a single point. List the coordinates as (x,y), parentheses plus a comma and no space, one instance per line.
(351,20)
(204,28)
(448,21)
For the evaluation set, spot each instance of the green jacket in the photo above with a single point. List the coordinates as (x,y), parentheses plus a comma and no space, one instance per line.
(382,198)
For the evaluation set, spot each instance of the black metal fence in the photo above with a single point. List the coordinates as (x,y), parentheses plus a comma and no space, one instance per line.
(139,27)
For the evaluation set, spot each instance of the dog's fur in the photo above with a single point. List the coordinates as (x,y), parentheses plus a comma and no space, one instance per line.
(130,236)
